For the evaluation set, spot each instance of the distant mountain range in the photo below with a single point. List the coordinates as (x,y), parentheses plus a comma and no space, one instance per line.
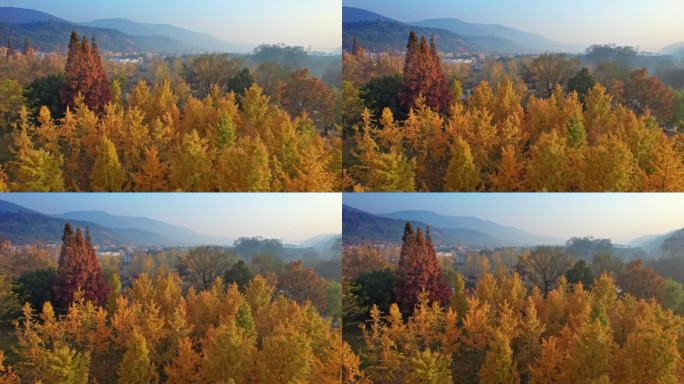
(673,244)
(24,226)
(49,33)
(672,48)
(392,36)
(14,15)
(380,33)
(525,41)
(177,233)
(676,50)
(361,227)
(505,233)
(321,242)
(21,225)
(197,40)
(662,244)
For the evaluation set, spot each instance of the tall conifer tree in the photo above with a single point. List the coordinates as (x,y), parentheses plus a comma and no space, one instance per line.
(79,269)
(84,74)
(99,94)
(424,76)
(419,270)
(10,47)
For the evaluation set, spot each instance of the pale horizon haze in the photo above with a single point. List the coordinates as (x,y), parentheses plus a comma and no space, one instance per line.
(649,25)
(292,217)
(621,217)
(307,23)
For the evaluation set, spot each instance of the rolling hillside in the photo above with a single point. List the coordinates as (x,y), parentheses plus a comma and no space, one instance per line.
(321,242)
(376,32)
(361,227)
(505,233)
(673,244)
(358,15)
(667,244)
(392,36)
(50,33)
(524,41)
(673,49)
(196,40)
(13,15)
(24,226)
(678,53)
(54,36)
(169,231)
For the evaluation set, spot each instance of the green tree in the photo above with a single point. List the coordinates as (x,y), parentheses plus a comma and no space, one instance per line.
(33,169)
(191,166)
(459,299)
(429,367)
(239,273)
(136,365)
(44,91)
(462,174)
(66,365)
(375,288)
(9,300)
(334,304)
(11,101)
(581,82)
(383,92)
(114,291)
(499,366)
(674,296)
(107,174)
(35,287)
(580,273)
(240,82)
(220,360)
(38,171)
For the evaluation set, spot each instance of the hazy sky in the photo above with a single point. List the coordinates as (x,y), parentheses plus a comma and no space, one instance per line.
(649,24)
(294,22)
(618,216)
(292,217)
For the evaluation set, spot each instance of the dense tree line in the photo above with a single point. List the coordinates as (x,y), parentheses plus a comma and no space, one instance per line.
(498,333)
(208,321)
(152,332)
(539,317)
(542,124)
(217,131)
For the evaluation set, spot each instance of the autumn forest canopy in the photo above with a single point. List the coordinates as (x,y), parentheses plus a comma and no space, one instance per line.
(175,315)
(184,272)
(546,314)
(211,122)
(414,121)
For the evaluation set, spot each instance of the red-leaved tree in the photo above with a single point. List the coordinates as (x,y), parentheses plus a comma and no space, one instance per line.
(84,75)
(419,270)
(79,269)
(424,76)
(646,93)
